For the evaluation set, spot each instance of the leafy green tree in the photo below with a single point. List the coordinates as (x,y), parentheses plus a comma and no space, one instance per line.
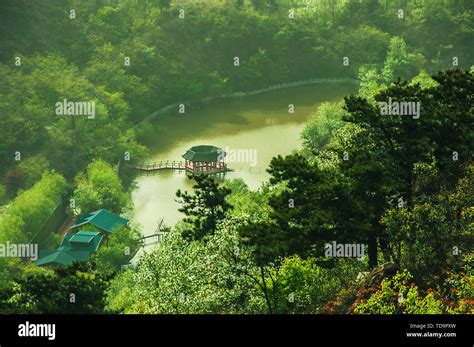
(317,132)
(239,4)
(71,289)
(190,277)
(407,141)
(117,250)
(20,133)
(100,188)
(205,208)
(29,211)
(67,138)
(424,80)
(309,211)
(259,5)
(13,182)
(400,63)
(106,68)
(3,194)
(442,222)
(305,287)
(32,169)
(247,202)
(371,83)
(396,296)
(165,3)
(123,295)
(369,42)
(359,164)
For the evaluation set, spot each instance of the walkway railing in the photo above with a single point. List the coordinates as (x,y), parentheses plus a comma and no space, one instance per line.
(178,165)
(162,165)
(281,86)
(209,99)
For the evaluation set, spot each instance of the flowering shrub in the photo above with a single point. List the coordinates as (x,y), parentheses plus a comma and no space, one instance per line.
(460,296)
(399,295)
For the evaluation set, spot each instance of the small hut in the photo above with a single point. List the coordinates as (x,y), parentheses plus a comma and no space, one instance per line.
(205,159)
(102,220)
(74,248)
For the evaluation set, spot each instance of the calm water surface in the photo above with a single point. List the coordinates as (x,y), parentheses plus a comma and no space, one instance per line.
(261,124)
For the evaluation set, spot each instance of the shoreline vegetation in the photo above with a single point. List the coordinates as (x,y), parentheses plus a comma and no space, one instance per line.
(209,100)
(397,187)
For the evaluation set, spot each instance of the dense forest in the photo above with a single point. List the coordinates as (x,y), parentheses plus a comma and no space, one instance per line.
(400,185)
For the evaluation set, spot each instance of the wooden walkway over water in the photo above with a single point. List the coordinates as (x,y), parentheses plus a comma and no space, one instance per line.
(177,165)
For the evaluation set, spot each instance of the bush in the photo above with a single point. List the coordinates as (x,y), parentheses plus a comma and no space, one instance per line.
(32,169)
(399,295)
(327,119)
(305,286)
(3,194)
(30,210)
(117,250)
(100,188)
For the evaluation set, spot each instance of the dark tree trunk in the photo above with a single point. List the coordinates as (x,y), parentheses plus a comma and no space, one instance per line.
(372,245)
(265,290)
(385,249)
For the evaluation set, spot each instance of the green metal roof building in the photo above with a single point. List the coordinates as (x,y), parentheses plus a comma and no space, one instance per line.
(77,247)
(62,257)
(74,248)
(205,159)
(101,219)
(204,154)
(82,240)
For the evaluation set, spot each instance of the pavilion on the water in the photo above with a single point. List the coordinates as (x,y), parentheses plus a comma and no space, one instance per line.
(205,159)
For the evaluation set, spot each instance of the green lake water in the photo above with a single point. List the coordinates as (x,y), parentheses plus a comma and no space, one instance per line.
(258,125)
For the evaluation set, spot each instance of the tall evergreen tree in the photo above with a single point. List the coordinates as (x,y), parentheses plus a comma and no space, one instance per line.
(205,208)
